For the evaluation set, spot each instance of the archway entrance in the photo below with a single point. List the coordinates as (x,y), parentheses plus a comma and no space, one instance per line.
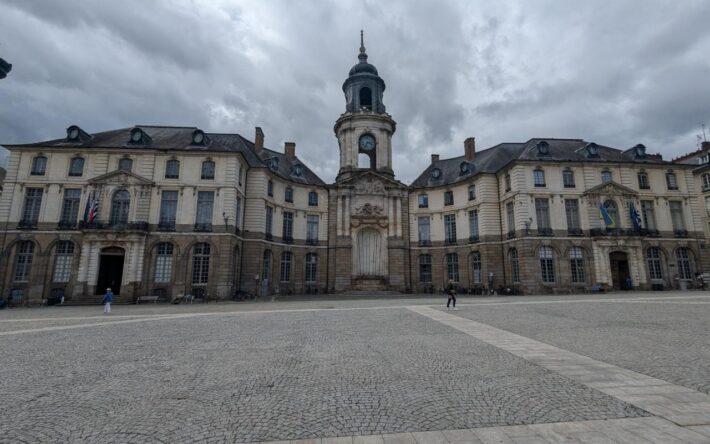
(110,270)
(619,263)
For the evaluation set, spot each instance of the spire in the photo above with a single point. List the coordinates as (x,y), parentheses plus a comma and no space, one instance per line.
(363,54)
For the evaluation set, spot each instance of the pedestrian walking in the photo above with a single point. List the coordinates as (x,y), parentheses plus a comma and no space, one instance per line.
(451,290)
(108,298)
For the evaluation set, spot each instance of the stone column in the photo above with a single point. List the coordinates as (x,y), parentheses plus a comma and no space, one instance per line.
(339,216)
(398,208)
(347,215)
(390,217)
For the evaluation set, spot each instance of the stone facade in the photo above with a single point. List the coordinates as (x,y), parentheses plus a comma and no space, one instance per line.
(173,210)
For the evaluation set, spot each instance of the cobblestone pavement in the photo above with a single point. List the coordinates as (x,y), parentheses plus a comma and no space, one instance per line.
(312,369)
(256,377)
(666,339)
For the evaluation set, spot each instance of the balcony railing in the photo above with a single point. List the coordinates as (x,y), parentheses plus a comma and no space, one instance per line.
(288,239)
(311,241)
(473,239)
(27,225)
(575,232)
(128,226)
(450,241)
(611,232)
(680,233)
(268,236)
(543,231)
(511,234)
(203,228)
(166,226)
(425,243)
(649,233)
(66,225)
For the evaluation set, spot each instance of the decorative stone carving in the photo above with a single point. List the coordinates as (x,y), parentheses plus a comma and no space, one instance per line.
(368,210)
(369,185)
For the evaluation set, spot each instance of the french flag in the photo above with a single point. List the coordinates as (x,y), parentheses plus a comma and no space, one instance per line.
(92,208)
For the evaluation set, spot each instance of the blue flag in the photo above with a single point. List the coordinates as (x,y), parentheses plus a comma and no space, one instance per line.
(635,218)
(608,220)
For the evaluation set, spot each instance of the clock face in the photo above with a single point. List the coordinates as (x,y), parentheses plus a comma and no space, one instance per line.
(198,137)
(367,142)
(137,136)
(73,133)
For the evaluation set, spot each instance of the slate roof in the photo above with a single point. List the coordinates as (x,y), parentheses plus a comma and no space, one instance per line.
(494,159)
(179,138)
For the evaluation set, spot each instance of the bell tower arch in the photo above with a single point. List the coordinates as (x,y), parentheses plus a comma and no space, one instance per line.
(364,127)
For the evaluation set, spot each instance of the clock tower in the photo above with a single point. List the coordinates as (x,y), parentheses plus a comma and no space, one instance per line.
(365,130)
(368,208)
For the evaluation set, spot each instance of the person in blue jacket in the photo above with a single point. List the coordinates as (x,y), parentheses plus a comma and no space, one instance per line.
(108,298)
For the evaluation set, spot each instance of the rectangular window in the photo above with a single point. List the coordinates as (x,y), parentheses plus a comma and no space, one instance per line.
(76,167)
(423,200)
(172,169)
(510,216)
(572,212)
(288,194)
(63,262)
(507,182)
(205,203)
(425,268)
(649,219)
(168,209)
(311,267)
(238,220)
(70,207)
(653,256)
(542,212)
(286,258)
(424,227)
(241,170)
(39,166)
(312,199)
(200,269)
(452,267)
(472,192)
(269,220)
(288,225)
(568,179)
(270,188)
(576,263)
(473,225)
(23,261)
(448,197)
(312,228)
(671,181)
(207,170)
(164,263)
(547,267)
(539,178)
(515,265)
(606,176)
(33,202)
(643,181)
(450,228)
(476,267)
(677,215)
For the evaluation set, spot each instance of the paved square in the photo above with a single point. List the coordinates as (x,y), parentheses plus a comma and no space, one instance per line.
(317,369)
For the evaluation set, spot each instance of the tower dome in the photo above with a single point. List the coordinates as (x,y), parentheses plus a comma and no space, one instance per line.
(364,88)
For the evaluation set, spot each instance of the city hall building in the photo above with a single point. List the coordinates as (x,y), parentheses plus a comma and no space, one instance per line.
(153,210)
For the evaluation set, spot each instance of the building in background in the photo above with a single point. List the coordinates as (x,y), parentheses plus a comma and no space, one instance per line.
(165,211)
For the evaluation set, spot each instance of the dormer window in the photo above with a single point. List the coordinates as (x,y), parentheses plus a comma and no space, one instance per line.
(73,133)
(640,150)
(436,174)
(274,164)
(125,164)
(543,148)
(39,166)
(199,138)
(592,150)
(298,170)
(465,168)
(137,136)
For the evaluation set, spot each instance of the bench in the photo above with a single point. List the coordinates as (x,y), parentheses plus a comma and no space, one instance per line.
(147,299)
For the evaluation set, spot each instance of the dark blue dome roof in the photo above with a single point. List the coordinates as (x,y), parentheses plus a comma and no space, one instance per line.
(363,67)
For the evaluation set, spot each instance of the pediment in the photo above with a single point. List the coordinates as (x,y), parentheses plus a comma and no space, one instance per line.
(610,188)
(371,182)
(120,177)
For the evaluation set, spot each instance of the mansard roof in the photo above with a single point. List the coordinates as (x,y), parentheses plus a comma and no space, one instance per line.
(179,138)
(494,159)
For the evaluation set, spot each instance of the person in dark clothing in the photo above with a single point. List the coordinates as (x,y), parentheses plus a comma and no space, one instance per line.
(451,291)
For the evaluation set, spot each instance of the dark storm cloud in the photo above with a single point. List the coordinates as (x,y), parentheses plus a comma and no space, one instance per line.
(616,72)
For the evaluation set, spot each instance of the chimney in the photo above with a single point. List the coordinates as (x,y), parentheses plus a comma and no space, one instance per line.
(434,158)
(290,150)
(469,147)
(258,140)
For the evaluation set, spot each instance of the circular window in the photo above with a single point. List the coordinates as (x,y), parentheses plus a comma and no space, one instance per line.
(136,136)
(436,173)
(198,137)
(543,147)
(73,133)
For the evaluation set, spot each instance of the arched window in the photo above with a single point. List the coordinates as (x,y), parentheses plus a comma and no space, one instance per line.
(207,170)
(120,206)
(547,264)
(63,258)
(39,166)
(476,267)
(312,199)
(172,169)
(613,212)
(23,261)
(311,267)
(200,264)
(515,265)
(76,167)
(576,264)
(683,257)
(286,259)
(288,194)
(266,265)
(425,268)
(452,267)
(653,259)
(164,262)
(125,164)
(365,98)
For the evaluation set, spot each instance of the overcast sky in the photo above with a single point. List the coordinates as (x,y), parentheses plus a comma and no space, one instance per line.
(613,72)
